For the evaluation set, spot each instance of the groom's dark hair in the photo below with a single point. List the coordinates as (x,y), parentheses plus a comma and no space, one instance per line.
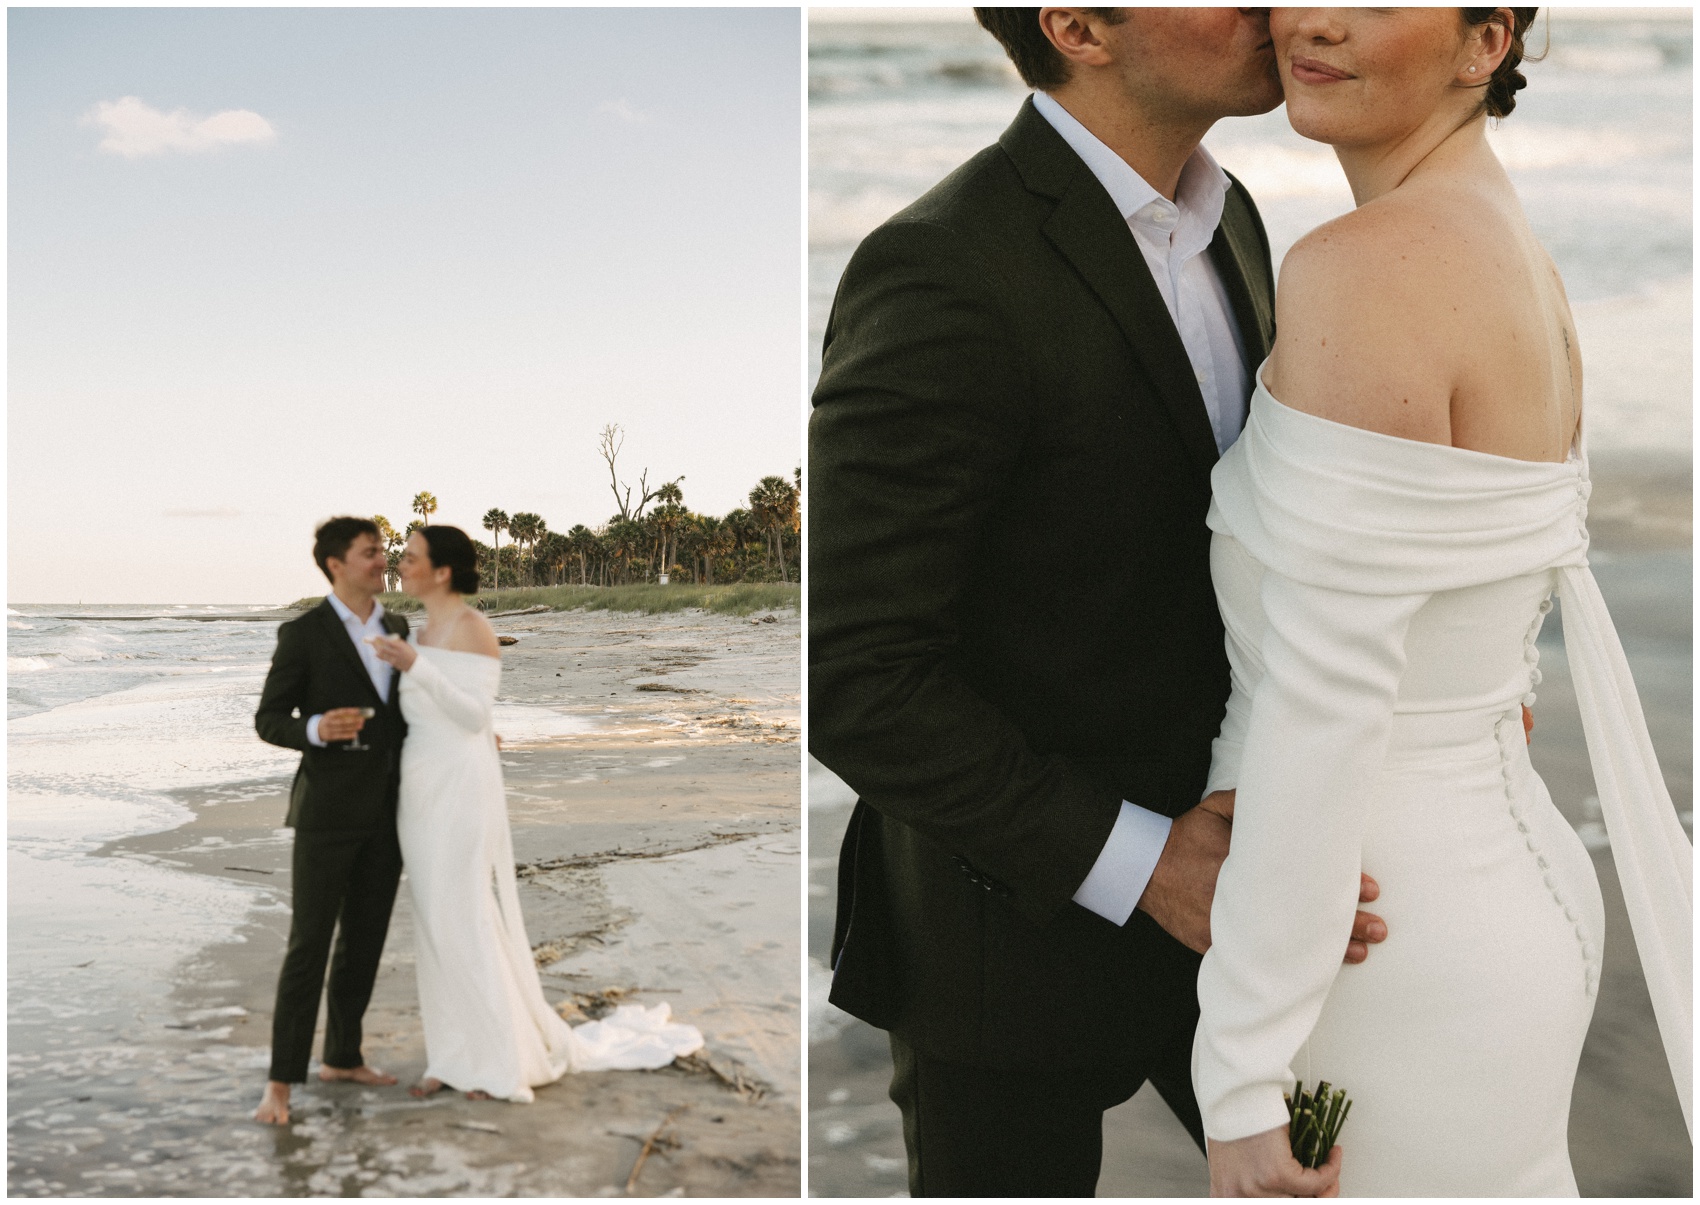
(335,535)
(1040,64)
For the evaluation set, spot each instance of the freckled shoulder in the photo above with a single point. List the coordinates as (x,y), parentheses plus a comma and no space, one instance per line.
(1369,308)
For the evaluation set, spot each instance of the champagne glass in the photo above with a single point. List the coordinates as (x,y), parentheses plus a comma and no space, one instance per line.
(366,713)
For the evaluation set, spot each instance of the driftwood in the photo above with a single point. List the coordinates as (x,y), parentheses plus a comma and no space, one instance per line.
(650,1144)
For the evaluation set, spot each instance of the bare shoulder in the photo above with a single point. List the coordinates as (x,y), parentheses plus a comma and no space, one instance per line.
(1368,314)
(473,634)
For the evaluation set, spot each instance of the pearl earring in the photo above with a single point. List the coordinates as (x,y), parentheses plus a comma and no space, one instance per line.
(1472,71)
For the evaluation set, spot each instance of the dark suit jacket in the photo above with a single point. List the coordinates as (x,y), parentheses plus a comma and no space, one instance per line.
(316,668)
(1012,627)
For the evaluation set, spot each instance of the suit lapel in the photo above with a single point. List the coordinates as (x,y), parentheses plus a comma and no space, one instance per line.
(340,640)
(1087,229)
(1238,257)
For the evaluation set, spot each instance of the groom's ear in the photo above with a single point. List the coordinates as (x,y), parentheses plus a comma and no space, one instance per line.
(1078,33)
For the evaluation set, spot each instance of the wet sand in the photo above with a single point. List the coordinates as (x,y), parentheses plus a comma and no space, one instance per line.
(658,839)
(1626,1132)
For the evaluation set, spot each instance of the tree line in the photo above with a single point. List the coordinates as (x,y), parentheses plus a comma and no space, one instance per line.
(657,535)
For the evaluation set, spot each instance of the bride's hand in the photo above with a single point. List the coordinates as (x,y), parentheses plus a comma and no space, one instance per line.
(1263,1166)
(398,653)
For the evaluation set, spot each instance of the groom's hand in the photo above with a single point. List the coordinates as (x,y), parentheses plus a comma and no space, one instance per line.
(341,724)
(1183,885)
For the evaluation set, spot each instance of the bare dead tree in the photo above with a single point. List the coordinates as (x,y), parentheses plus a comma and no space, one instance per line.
(613,439)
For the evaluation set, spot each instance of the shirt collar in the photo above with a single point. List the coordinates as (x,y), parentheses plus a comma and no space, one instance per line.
(348,616)
(1201,192)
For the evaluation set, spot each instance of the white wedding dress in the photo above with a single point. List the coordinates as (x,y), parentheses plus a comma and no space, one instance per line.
(1382,598)
(487,1025)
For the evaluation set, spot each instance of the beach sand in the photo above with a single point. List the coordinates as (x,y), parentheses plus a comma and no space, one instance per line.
(1626,1132)
(658,836)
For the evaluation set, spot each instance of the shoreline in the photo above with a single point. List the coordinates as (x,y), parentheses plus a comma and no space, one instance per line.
(655,831)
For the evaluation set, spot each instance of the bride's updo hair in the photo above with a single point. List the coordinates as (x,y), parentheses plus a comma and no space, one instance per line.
(451,548)
(1506,81)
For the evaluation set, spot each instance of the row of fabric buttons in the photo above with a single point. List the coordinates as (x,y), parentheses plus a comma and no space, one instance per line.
(978,878)
(1532,653)
(1584,488)
(1590,971)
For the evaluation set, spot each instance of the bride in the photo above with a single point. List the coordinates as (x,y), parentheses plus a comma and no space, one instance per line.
(488,1030)
(1409,494)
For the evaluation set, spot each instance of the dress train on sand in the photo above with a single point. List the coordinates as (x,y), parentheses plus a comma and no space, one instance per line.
(487,1025)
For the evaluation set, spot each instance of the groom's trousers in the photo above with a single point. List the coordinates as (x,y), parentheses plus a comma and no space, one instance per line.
(997,1132)
(344,885)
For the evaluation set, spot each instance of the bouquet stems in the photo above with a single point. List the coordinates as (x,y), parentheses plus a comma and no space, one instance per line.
(1314,1122)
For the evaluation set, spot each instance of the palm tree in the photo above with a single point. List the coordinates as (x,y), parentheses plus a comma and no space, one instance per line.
(391,540)
(774,504)
(485,555)
(688,545)
(668,515)
(424,505)
(526,528)
(539,533)
(496,522)
(553,550)
(583,542)
(718,540)
(743,530)
(625,541)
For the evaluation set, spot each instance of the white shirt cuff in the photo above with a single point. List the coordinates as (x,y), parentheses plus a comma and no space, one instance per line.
(313,735)
(1124,865)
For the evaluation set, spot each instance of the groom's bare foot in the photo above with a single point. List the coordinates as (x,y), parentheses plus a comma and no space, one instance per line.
(274,1105)
(362,1074)
(426,1087)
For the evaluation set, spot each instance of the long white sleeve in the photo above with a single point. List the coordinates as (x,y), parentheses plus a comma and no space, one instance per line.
(1245,666)
(1314,742)
(469,709)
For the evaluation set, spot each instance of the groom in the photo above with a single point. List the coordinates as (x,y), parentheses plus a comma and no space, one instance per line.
(1016,658)
(347,860)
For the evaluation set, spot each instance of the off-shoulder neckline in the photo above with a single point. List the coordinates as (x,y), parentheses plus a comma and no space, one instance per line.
(458,652)
(1573,461)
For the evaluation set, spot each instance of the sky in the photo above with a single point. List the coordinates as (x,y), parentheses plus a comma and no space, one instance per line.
(271,265)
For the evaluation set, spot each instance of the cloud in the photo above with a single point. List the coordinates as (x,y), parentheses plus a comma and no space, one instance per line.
(623,109)
(134,128)
(223,512)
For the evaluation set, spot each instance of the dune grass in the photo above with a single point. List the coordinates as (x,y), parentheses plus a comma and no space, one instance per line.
(738,598)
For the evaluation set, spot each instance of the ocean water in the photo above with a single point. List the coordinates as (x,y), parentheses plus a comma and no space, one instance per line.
(1600,148)
(111,710)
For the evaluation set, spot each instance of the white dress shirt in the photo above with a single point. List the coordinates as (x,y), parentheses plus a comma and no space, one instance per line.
(358,630)
(1174,237)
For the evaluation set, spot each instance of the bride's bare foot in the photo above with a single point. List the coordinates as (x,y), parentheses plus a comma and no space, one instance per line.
(274,1105)
(426,1087)
(478,1094)
(362,1074)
